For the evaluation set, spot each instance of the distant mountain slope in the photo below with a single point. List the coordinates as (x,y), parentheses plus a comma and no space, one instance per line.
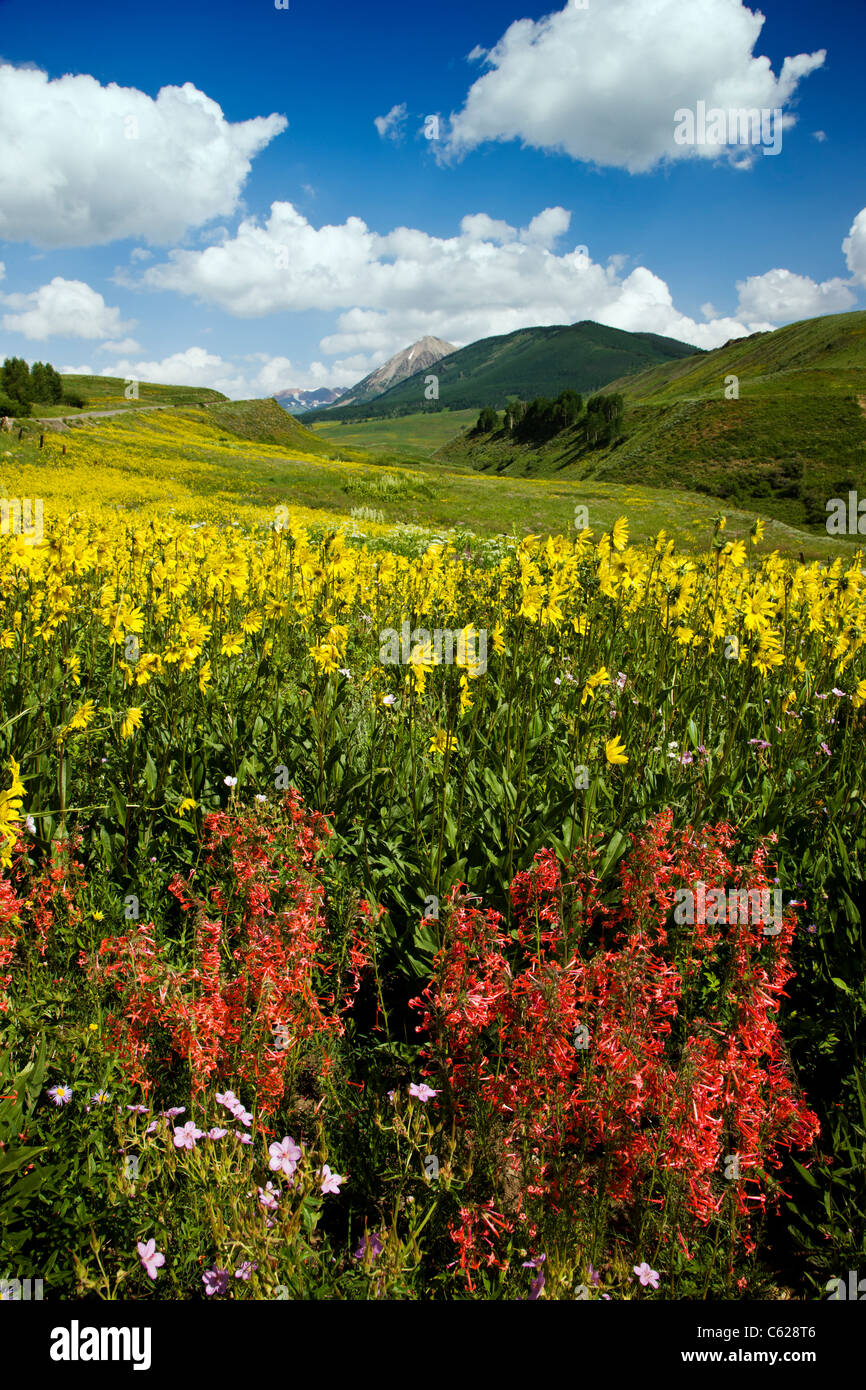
(298,402)
(789,435)
(836,341)
(526,363)
(417,358)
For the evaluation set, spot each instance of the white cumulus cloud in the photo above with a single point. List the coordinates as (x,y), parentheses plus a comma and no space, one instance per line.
(85,164)
(854,247)
(389,290)
(122,345)
(603,83)
(65,309)
(390,127)
(785,297)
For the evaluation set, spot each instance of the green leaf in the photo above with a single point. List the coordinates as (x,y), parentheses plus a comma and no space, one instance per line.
(805,1174)
(11,1159)
(615,850)
(150,773)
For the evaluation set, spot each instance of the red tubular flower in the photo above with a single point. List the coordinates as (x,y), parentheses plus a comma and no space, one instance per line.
(586,1058)
(250,1020)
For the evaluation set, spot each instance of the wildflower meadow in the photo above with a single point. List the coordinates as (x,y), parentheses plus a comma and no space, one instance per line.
(407,917)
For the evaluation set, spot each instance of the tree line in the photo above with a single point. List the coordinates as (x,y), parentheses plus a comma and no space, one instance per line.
(533,422)
(23,386)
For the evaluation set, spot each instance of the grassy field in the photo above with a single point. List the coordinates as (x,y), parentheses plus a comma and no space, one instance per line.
(410,436)
(255,457)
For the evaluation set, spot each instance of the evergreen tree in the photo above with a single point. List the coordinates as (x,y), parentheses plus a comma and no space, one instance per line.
(40,386)
(55,383)
(15,380)
(488,421)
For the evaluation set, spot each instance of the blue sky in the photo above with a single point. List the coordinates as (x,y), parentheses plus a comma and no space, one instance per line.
(244,197)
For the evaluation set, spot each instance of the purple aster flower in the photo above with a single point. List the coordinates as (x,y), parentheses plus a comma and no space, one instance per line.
(61,1095)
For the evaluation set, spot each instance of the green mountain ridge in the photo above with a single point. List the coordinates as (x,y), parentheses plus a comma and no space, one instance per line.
(526,363)
(789,434)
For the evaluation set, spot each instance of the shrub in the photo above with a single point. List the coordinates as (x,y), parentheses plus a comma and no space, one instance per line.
(17,409)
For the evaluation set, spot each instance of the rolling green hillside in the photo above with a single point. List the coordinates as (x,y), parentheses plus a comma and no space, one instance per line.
(258,421)
(794,437)
(266,422)
(107,393)
(527,363)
